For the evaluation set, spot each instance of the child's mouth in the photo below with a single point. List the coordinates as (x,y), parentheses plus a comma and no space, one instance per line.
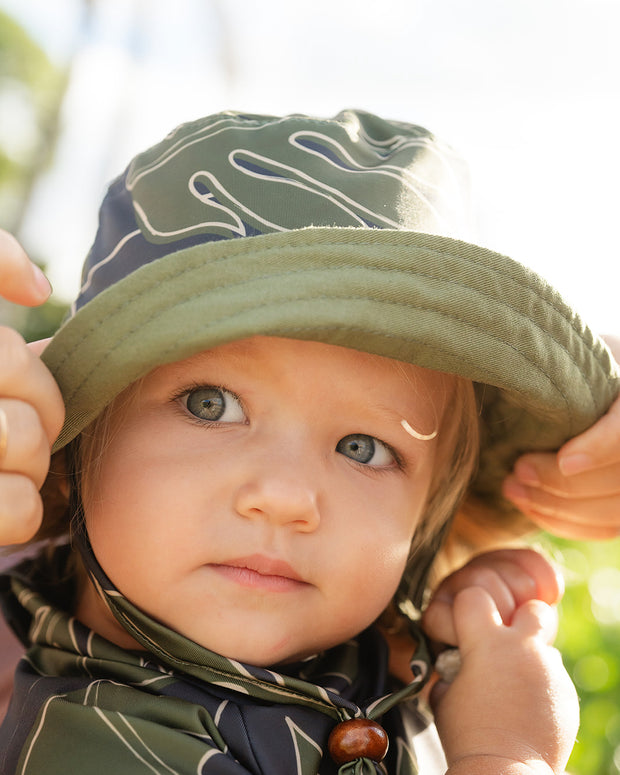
(260,572)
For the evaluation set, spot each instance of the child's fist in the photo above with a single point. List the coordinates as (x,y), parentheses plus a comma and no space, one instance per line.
(512,707)
(510,576)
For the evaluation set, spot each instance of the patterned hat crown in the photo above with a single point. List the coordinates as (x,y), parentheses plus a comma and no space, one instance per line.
(234,175)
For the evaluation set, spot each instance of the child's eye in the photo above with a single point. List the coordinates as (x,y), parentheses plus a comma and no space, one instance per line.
(366,449)
(214,404)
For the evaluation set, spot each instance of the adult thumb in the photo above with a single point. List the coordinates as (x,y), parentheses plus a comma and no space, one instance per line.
(21,281)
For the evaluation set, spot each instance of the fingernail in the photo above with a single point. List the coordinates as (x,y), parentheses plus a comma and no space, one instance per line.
(41,282)
(527,474)
(575,464)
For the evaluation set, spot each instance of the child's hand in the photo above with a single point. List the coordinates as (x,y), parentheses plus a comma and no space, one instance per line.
(511,577)
(512,707)
(576,492)
(31,406)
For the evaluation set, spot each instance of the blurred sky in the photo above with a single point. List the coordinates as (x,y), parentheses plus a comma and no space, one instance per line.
(527,90)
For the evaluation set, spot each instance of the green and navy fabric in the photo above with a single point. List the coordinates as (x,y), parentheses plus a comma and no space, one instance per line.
(233,175)
(83,705)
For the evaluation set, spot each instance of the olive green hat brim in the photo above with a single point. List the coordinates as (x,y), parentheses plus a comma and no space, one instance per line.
(424,299)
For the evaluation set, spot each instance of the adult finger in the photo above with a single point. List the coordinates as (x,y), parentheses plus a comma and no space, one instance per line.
(596,447)
(26,448)
(21,281)
(613,342)
(581,518)
(25,377)
(600,523)
(543,471)
(21,509)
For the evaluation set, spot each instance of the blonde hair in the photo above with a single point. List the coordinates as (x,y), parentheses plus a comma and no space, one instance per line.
(455,465)
(75,462)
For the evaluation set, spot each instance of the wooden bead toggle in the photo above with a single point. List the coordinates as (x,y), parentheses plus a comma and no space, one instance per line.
(357,738)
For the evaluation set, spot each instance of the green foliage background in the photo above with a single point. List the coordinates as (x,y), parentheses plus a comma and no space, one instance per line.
(589,634)
(32,87)
(589,640)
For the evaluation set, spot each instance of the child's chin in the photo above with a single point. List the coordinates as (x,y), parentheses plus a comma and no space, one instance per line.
(270,658)
(267,655)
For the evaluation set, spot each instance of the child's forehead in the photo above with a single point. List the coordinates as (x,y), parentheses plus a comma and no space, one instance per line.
(330,378)
(299,356)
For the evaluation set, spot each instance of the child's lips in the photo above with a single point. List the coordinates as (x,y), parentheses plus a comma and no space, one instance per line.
(260,572)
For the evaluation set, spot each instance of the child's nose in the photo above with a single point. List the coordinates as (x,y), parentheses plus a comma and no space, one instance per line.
(280,498)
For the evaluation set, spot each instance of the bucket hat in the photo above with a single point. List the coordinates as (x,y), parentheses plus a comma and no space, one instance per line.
(350,231)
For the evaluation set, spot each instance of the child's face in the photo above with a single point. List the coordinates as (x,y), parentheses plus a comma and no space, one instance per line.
(260,498)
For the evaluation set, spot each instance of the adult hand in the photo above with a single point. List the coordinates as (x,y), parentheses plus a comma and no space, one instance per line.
(31,406)
(576,492)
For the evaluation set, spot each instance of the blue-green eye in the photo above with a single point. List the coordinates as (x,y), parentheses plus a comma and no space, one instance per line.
(214,404)
(365,449)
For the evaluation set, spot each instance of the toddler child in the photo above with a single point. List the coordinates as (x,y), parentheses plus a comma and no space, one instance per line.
(283,376)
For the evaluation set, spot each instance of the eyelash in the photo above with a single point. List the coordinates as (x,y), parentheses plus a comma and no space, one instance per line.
(178,397)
